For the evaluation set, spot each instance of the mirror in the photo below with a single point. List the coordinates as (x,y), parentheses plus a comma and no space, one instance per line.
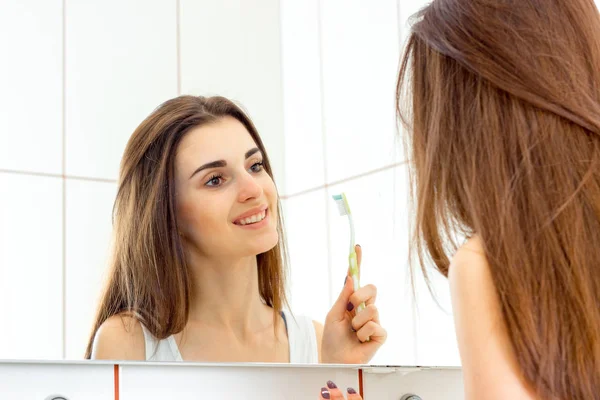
(316,77)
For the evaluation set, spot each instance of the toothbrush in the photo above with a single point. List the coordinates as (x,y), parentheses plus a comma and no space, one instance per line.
(344,208)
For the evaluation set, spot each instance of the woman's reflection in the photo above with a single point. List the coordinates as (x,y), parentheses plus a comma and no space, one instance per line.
(198,271)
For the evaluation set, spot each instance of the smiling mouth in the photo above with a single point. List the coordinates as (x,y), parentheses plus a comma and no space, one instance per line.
(253,219)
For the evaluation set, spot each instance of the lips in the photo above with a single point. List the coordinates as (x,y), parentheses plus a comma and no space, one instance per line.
(253,215)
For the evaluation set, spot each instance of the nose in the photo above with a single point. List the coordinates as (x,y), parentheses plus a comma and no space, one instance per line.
(249,187)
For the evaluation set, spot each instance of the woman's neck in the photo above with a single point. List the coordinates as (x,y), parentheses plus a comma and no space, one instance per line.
(225,295)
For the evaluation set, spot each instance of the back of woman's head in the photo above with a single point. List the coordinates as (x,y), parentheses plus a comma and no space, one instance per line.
(148,276)
(503,108)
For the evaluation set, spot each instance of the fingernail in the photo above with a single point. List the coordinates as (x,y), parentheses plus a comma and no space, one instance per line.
(346,280)
(359,246)
(325,393)
(350,306)
(351,391)
(331,385)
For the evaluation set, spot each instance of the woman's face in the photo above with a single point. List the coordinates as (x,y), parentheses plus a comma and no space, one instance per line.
(226,202)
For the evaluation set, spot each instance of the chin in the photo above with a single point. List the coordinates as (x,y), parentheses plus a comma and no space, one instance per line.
(267,243)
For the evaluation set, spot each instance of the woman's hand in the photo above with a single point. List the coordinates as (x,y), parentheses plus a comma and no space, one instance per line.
(350,337)
(331,392)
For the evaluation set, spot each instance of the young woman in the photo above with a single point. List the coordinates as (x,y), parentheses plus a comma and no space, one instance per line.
(504,122)
(197,272)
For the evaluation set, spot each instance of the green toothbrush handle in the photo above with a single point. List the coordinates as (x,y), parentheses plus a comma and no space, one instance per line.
(353,262)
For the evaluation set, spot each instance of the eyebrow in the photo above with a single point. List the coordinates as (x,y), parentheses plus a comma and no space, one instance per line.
(223,163)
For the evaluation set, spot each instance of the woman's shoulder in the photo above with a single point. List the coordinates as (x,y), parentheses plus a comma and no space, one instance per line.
(120,337)
(471,252)
(487,357)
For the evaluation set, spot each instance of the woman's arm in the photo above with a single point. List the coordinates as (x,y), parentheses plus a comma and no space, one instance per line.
(489,363)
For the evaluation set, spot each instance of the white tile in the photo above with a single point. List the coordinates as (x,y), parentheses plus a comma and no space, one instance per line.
(373,205)
(25,381)
(31,267)
(121,62)
(360,60)
(400,323)
(306,233)
(434,336)
(88,234)
(233,48)
(31,82)
(301,65)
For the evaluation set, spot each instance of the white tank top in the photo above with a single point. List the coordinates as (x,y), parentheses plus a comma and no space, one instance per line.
(301,333)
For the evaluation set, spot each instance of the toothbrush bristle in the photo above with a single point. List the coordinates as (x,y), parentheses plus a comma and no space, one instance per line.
(341,204)
(341,207)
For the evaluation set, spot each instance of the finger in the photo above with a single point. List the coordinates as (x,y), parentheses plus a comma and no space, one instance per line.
(372,331)
(366,294)
(339,308)
(324,394)
(352,395)
(334,392)
(371,313)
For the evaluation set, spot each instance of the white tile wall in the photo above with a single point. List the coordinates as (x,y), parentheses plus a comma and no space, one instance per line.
(233,48)
(306,234)
(360,57)
(435,334)
(88,235)
(31,262)
(31,82)
(374,208)
(121,62)
(300,55)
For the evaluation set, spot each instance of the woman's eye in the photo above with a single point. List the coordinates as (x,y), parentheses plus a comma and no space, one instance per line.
(257,167)
(214,180)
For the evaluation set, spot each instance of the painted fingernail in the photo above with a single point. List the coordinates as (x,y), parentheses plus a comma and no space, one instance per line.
(346,279)
(331,385)
(359,246)
(350,306)
(325,393)
(351,391)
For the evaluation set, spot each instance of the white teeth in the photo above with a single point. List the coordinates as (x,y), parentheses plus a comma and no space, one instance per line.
(253,219)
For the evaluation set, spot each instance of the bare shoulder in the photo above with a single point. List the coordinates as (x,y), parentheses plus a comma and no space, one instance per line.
(120,337)
(319,333)
(470,252)
(490,367)
(470,276)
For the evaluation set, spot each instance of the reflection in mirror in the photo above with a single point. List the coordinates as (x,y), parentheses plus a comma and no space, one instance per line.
(197,271)
(318,80)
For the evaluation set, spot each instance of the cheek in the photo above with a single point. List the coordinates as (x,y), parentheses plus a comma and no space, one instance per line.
(195,217)
(271,194)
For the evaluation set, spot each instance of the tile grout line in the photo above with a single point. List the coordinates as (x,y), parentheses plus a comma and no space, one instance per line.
(343,180)
(282,197)
(58,176)
(323,148)
(64,181)
(414,313)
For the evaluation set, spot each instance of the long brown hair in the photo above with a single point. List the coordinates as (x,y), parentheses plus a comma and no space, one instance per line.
(502,101)
(148,277)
